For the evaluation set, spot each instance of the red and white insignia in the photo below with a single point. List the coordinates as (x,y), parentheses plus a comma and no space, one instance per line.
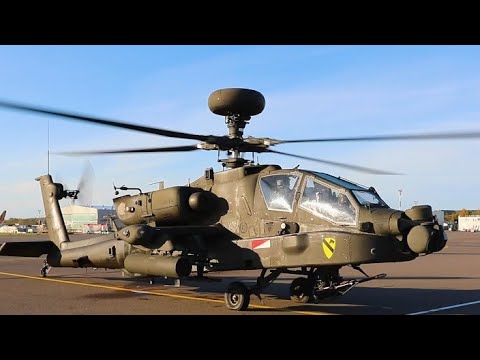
(260,244)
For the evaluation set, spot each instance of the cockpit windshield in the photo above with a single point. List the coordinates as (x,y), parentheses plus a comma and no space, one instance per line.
(364,195)
(368,198)
(279,191)
(328,202)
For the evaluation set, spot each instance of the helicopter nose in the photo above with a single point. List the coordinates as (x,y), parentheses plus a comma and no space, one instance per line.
(427,235)
(425,239)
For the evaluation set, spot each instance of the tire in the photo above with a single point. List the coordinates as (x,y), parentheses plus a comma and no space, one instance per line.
(237,296)
(301,290)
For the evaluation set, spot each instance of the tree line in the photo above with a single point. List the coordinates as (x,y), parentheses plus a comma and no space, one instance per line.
(28,221)
(453,215)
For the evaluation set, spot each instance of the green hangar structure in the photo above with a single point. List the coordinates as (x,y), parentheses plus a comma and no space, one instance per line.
(87,219)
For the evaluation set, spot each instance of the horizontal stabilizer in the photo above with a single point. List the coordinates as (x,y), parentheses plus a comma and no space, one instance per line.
(26,248)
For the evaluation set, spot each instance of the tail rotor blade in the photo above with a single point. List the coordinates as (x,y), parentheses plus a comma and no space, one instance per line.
(85,185)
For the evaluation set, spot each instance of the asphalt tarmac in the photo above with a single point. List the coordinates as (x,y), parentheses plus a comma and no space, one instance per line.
(443,283)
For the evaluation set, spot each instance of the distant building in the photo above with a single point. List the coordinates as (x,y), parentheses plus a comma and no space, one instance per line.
(8,229)
(469,223)
(76,217)
(447,225)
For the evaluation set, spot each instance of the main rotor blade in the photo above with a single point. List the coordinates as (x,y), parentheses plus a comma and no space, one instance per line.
(106,122)
(421,136)
(131,151)
(346,166)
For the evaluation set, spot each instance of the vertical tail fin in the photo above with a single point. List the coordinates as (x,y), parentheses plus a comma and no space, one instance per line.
(51,194)
(2,217)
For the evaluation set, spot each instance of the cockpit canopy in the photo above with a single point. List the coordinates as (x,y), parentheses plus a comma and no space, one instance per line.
(330,198)
(365,196)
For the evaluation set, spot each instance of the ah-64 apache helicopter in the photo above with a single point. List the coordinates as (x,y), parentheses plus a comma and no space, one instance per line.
(245,217)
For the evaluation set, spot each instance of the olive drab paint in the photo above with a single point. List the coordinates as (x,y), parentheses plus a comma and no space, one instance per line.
(246,216)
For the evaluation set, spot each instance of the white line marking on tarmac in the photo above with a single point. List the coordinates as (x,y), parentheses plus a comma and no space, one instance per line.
(445,308)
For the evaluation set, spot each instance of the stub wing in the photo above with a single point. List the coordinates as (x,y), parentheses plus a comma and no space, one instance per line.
(153,237)
(189,230)
(26,248)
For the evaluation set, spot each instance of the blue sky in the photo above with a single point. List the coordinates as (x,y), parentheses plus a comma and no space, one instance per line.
(310,91)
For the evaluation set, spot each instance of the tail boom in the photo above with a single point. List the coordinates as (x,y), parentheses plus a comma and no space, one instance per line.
(51,194)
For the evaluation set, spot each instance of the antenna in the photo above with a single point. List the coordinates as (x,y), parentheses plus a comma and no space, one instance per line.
(400,199)
(48,147)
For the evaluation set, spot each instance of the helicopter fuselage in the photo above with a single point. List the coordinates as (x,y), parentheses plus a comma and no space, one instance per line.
(313,219)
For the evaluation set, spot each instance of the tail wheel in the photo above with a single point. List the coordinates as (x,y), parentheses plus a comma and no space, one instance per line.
(301,290)
(45,269)
(237,297)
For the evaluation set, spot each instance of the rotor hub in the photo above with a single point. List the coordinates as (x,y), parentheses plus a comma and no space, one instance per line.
(238,106)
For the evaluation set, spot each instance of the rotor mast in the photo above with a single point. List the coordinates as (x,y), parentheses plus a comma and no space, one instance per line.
(236,125)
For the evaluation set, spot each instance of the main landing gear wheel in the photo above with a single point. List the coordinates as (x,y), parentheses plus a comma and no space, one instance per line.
(301,290)
(237,296)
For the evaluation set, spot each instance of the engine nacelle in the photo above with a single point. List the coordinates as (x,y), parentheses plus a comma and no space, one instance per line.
(172,206)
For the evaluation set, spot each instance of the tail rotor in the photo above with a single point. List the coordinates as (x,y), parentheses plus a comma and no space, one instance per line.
(85,185)
(83,193)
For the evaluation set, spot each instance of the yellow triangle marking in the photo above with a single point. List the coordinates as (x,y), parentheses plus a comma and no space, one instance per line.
(328,247)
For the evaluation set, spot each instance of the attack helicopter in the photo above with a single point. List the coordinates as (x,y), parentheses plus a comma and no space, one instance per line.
(246,217)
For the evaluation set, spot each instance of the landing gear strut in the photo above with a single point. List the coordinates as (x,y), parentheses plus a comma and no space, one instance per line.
(237,295)
(319,284)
